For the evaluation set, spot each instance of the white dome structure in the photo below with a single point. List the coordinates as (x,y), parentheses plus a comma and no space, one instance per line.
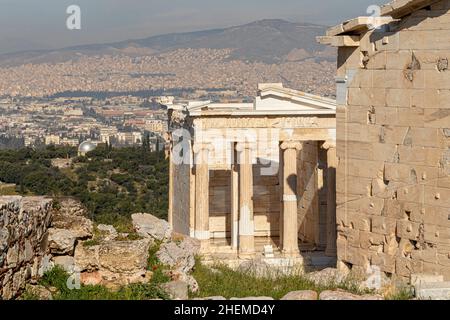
(85,147)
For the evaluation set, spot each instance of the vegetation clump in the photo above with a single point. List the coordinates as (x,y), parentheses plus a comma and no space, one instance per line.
(112,183)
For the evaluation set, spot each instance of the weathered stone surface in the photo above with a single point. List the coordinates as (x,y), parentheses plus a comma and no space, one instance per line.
(70,216)
(419,278)
(80,226)
(301,295)
(91,278)
(344,295)
(188,279)
(177,290)
(61,241)
(179,256)
(23,229)
(148,225)
(392,131)
(327,275)
(87,257)
(39,292)
(71,207)
(252,298)
(215,298)
(117,262)
(66,262)
(108,231)
(433,291)
(124,256)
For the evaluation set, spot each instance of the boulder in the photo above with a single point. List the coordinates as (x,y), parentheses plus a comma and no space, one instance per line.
(91,278)
(117,262)
(80,226)
(71,216)
(215,298)
(109,232)
(337,295)
(147,225)
(344,295)
(86,257)
(179,256)
(325,276)
(301,295)
(71,207)
(253,298)
(38,292)
(188,279)
(61,241)
(177,290)
(124,256)
(66,262)
(257,268)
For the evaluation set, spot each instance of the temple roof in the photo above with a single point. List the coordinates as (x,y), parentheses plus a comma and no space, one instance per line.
(272,99)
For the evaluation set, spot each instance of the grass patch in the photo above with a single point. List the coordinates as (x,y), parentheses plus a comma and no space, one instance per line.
(91,242)
(153,264)
(57,278)
(223,281)
(402,293)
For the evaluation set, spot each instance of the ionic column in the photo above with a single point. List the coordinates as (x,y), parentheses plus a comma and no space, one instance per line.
(201,152)
(234,206)
(290,224)
(330,249)
(246,219)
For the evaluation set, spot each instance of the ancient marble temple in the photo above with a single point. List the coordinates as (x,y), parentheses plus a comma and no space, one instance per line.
(255,180)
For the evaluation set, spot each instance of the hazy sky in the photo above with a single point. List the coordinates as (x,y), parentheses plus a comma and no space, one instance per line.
(41,24)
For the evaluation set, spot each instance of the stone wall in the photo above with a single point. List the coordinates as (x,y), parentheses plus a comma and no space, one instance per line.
(266,203)
(23,240)
(307,186)
(181,198)
(393,131)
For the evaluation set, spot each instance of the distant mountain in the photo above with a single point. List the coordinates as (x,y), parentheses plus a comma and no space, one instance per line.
(270,41)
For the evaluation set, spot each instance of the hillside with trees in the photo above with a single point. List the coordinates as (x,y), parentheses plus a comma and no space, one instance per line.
(112,183)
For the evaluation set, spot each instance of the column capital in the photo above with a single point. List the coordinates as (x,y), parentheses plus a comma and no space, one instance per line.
(200,146)
(331,144)
(241,146)
(297,145)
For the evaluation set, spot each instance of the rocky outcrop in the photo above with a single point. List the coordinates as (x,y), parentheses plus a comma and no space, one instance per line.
(301,295)
(147,225)
(71,216)
(61,241)
(108,232)
(115,262)
(177,290)
(24,222)
(344,295)
(71,207)
(179,255)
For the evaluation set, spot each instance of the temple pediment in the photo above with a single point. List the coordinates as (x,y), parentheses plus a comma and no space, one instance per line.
(272,99)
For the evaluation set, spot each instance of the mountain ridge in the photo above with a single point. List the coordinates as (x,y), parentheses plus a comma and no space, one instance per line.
(266,40)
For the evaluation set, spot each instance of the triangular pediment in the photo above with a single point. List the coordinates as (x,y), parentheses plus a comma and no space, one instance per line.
(276,97)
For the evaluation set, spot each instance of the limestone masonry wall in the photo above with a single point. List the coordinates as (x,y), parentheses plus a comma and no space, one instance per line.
(393,178)
(23,240)
(182,203)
